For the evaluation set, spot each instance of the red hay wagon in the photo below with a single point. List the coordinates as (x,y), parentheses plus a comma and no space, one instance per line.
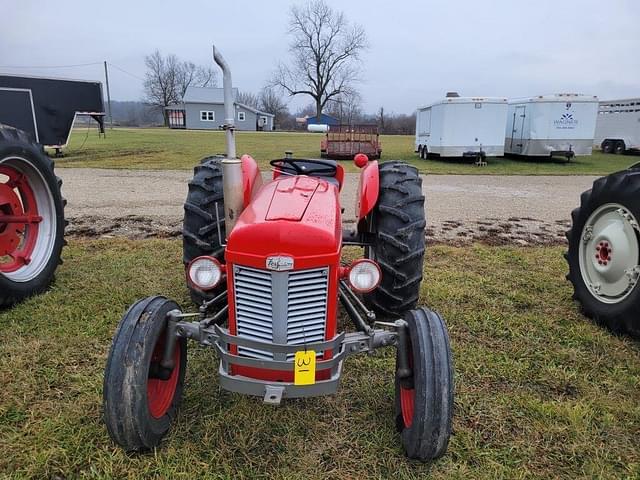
(346,141)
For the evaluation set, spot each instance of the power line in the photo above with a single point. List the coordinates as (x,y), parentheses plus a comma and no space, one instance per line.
(124,71)
(51,66)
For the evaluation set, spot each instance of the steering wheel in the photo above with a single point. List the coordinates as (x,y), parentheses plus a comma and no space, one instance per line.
(299,166)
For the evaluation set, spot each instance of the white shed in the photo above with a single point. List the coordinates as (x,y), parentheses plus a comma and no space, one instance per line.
(461,126)
(546,125)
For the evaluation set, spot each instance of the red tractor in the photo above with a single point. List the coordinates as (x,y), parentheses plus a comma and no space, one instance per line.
(263,262)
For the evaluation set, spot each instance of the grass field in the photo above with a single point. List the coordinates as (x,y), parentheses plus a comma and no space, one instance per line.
(541,392)
(178,149)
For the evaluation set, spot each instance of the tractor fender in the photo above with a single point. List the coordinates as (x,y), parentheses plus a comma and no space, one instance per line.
(251,178)
(368,189)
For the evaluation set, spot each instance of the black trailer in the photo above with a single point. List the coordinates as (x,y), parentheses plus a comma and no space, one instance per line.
(47,107)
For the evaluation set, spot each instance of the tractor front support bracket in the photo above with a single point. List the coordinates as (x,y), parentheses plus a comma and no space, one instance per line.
(221,340)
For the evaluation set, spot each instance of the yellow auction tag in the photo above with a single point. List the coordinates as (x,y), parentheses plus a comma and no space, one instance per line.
(305,368)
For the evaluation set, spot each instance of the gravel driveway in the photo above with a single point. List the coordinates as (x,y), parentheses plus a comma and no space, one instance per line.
(495,209)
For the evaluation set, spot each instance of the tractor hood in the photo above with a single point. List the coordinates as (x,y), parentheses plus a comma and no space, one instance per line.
(296,216)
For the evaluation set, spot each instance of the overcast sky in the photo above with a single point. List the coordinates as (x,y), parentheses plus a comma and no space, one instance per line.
(418,49)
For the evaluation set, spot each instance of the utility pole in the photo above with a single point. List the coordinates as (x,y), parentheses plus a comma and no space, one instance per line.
(106,77)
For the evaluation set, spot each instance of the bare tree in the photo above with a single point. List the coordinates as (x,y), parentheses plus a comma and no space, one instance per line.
(381,119)
(347,107)
(191,74)
(167,79)
(247,98)
(271,102)
(325,51)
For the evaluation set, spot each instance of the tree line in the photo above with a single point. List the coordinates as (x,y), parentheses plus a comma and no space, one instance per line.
(325,65)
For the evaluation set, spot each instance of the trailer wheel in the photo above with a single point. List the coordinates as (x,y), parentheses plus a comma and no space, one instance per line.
(606,146)
(31,217)
(398,224)
(424,402)
(140,400)
(200,227)
(620,147)
(604,252)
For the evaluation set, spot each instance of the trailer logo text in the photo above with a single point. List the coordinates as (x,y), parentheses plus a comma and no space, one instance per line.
(566,121)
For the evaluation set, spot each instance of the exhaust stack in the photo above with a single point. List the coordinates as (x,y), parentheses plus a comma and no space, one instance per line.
(231,166)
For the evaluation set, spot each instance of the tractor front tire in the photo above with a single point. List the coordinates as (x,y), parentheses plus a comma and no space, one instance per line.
(398,225)
(200,225)
(30,249)
(139,405)
(604,252)
(424,403)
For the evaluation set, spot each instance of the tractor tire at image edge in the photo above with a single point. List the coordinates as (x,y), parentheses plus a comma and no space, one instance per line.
(604,252)
(32,207)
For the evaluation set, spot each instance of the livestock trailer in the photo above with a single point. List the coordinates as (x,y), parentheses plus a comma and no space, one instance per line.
(346,141)
(462,127)
(46,108)
(618,125)
(551,125)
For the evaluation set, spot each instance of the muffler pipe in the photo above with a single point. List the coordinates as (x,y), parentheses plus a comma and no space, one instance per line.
(232,181)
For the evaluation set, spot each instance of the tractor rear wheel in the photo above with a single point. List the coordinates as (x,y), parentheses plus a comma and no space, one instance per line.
(200,226)
(424,402)
(31,217)
(140,400)
(604,252)
(398,224)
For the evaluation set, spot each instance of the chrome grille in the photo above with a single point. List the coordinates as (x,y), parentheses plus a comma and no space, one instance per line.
(254,312)
(280,307)
(307,306)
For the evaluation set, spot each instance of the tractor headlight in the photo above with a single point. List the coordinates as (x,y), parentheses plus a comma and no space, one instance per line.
(204,272)
(364,275)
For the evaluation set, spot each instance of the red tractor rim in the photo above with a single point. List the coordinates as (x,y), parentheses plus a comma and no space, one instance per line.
(19,220)
(160,393)
(408,398)
(407,403)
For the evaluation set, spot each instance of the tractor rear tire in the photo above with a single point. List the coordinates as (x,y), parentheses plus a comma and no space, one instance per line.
(424,403)
(139,406)
(200,227)
(604,252)
(29,252)
(398,226)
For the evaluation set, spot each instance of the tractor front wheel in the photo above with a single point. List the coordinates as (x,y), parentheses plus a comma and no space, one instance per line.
(398,224)
(140,397)
(424,402)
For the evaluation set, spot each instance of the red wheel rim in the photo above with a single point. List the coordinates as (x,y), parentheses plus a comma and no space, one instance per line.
(19,220)
(160,393)
(408,398)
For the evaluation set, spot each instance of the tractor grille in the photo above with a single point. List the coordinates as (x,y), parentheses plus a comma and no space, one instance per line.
(280,307)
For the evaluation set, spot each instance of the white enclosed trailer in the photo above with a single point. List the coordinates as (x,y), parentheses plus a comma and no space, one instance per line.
(618,125)
(462,126)
(548,125)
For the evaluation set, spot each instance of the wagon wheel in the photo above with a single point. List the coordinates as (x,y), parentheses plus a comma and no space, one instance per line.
(31,218)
